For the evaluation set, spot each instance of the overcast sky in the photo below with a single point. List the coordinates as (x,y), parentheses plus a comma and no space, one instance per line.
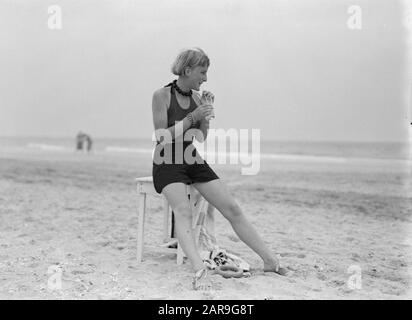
(290,68)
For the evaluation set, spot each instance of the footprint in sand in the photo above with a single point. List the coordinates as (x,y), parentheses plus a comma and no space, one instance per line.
(337,283)
(103,243)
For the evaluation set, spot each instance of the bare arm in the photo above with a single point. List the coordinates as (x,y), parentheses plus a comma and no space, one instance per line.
(204,127)
(159,109)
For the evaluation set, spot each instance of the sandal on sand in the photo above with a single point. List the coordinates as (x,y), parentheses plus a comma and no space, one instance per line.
(202,281)
(229,271)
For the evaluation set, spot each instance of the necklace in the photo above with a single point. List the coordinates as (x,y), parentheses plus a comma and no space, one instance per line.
(183,93)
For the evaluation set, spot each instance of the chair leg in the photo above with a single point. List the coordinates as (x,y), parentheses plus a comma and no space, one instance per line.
(180,254)
(140,233)
(165,220)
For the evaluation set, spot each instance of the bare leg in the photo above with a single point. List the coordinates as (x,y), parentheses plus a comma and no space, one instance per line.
(176,195)
(216,193)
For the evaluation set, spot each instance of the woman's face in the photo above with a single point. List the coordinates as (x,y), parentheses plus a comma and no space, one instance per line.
(197,76)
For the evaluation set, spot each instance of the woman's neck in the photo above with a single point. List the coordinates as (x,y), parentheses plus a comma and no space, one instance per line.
(181,83)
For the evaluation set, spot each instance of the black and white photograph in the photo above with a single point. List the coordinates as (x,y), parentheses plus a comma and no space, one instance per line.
(205,150)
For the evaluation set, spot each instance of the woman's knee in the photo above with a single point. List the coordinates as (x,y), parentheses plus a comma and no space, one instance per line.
(183,211)
(233,211)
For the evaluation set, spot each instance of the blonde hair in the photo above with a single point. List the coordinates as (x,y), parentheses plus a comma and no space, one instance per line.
(189,58)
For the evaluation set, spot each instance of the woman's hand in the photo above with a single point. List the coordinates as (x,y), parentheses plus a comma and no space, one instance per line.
(202,112)
(207,97)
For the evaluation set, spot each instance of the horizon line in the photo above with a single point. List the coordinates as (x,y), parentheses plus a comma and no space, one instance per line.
(406,141)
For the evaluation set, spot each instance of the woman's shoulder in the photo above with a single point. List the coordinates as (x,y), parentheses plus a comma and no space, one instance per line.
(163,94)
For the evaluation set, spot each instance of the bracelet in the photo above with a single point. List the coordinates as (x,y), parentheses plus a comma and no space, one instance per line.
(190,117)
(194,118)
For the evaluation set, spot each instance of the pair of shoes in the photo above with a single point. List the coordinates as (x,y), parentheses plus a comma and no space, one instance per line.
(201,280)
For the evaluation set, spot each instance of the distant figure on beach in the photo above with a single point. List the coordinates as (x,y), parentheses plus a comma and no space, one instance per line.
(89,143)
(177,108)
(82,138)
(79,141)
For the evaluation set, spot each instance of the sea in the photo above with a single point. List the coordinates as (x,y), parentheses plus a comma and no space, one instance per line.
(394,152)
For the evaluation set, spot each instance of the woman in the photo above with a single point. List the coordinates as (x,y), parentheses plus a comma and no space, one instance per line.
(176,109)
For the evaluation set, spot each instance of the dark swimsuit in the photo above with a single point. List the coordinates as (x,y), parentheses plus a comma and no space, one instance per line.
(179,171)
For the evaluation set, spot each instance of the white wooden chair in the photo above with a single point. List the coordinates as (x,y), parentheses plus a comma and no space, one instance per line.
(145,188)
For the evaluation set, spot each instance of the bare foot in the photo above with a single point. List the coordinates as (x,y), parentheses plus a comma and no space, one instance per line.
(274,266)
(202,281)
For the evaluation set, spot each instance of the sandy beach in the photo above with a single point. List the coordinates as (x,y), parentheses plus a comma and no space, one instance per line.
(77,212)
